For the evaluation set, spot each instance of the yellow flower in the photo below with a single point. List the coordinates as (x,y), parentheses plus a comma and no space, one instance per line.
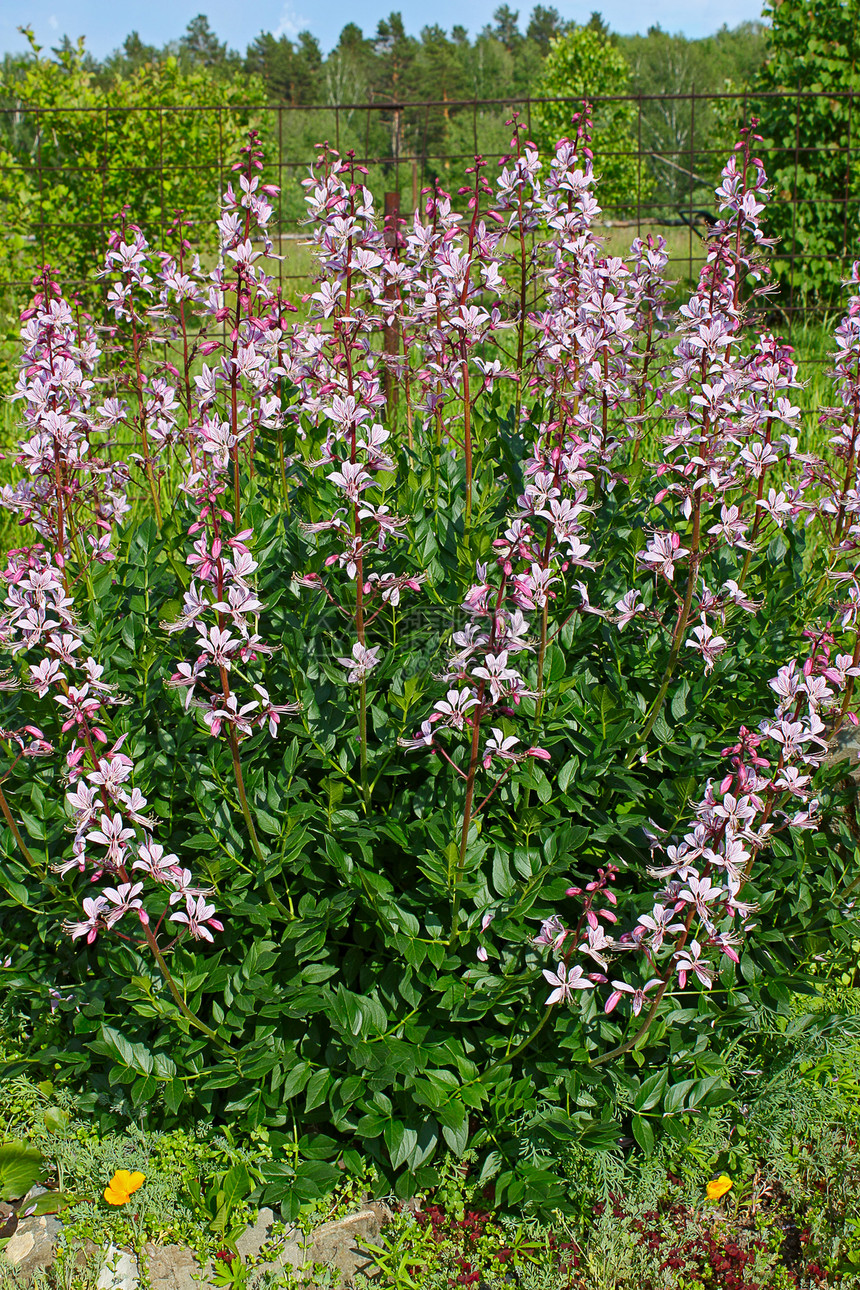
(718,1187)
(122,1185)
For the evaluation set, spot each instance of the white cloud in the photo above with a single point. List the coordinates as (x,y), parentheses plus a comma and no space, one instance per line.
(290,22)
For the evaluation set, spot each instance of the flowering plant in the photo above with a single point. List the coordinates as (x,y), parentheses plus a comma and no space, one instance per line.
(122,1186)
(417,704)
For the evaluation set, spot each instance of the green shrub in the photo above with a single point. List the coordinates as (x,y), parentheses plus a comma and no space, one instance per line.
(585,64)
(812,77)
(78,149)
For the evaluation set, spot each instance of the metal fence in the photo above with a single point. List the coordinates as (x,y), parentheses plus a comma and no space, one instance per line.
(64,173)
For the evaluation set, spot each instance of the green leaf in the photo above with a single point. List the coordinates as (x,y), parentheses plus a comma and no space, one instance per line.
(56,1119)
(21,1167)
(679,699)
(503,882)
(236,1186)
(174,1095)
(677,1097)
(296,1080)
(49,1202)
(457,1135)
(316,1090)
(651,1091)
(567,772)
(490,1167)
(644,1134)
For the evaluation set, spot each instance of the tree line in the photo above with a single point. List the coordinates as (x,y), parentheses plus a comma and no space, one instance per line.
(504,60)
(62,174)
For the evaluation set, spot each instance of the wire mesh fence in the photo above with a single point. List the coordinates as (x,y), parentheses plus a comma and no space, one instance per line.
(65,173)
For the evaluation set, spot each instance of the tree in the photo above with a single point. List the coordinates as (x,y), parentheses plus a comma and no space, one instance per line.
(348,68)
(105,157)
(814,46)
(136,53)
(585,64)
(544,25)
(395,53)
(665,69)
(597,25)
(200,45)
(438,73)
(290,72)
(506,28)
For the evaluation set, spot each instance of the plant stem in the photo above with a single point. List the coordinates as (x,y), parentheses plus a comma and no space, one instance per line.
(681,624)
(655,1002)
(148,934)
(283,466)
(467,438)
(150,474)
(362,737)
(467,814)
(16,833)
(189,1016)
(521,324)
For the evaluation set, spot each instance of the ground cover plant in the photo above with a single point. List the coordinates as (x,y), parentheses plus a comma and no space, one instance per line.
(416,709)
(761,1194)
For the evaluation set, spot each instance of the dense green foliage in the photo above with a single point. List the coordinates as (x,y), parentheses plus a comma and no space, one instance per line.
(378,990)
(813,51)
(788,1142)
(501,62)
(355,1003)
(93,149)
(584,63)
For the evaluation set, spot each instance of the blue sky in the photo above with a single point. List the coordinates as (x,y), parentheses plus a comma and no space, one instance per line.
(105,23)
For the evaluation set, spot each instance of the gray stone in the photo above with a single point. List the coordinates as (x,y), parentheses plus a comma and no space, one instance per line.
(254,1238)
(338,1244)
(334,1245)
(844,746)
(31,1247)
(292,1255)
(174,1267)
(382,1211)
(120,1271)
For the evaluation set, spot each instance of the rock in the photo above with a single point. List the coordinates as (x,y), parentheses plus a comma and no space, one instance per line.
(844,746)
(174,1267)
(254,1238)
(33,1194)
(291,1255)
(19,1247)
(382,1211)
(337,1244)
(8,1219)
(31,1247)
(85,1253)
(120,1271)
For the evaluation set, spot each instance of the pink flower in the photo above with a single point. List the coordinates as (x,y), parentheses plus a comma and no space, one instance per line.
(638,994)
(362,662)
(198,917)
(564,982)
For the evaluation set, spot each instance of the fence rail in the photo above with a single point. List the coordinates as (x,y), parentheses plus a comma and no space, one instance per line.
(65,172)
